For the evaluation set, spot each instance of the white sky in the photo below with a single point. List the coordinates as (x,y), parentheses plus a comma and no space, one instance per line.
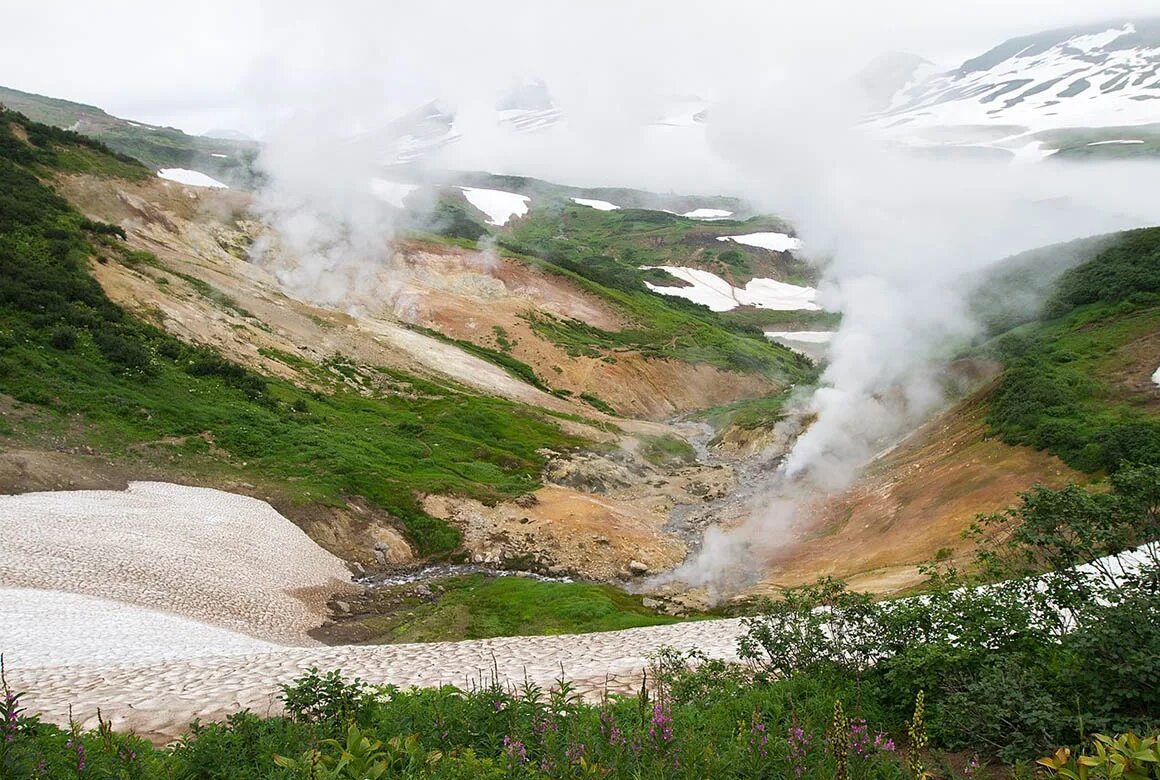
(231,64)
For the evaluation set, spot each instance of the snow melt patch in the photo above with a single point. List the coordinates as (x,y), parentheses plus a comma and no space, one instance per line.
(599,205)
(804,336)
(191,178)
(392,192)
(708,214)
(711,290)
(499,206)
(1117,141)
(775,242)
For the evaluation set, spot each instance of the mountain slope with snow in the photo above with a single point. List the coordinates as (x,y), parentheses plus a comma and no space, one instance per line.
(1096,76)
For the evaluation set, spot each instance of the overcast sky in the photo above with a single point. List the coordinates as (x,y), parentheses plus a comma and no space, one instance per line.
(217,63)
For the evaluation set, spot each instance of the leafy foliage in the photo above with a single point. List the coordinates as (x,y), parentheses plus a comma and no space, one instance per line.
(1061,389)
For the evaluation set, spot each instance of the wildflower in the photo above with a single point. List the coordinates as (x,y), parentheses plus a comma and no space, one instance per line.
(884,743)
(972,767)
(609,729)
(575,753)
(515,750)
(758,739)
(74,744)
(859,737)
(798,747)
(11,711)
(661,726)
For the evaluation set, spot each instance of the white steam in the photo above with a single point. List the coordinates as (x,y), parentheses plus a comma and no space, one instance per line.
(898,234)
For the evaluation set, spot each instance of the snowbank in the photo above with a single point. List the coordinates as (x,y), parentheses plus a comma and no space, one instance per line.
(716,293)
(776,242)
(218,558)
(191,178)
(499,206)
(599,205)
(708,214)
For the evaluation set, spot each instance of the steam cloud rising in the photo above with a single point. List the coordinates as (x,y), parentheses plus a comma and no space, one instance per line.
(899,235)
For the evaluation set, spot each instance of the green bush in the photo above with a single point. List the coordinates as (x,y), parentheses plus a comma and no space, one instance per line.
(63,337)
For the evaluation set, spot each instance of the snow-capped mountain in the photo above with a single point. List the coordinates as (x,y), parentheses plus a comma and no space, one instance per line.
(1097,76)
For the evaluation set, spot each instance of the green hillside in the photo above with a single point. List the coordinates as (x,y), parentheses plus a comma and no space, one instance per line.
(76,370)
(157,147)
(1076,380)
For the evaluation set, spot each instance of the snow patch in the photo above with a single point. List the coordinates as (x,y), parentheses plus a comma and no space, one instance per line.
(213,557)
(216,154)
(776,242)
(499,206)
(711,290)
(392,192)
(599,205)
(1117,141)
(1088,43)
(804,336)
(708,214)
(191,178)
(1156,376)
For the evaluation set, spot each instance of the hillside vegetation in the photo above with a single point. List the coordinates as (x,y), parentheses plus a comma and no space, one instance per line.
(156,147)
(1077,380)
(604,252)
(79,369)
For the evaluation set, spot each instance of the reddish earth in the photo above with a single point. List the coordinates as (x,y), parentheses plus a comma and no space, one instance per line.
(915,501)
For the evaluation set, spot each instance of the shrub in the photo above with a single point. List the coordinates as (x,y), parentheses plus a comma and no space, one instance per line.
(326,698)
(63,337)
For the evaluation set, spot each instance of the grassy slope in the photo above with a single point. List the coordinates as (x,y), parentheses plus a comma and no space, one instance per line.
(1065,388)
(602,252)
(157,147)
(478,607)
(94,376)
(1076,143)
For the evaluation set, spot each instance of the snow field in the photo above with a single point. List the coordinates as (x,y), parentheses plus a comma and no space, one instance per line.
(499,206)
(716,293)
(190,178)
